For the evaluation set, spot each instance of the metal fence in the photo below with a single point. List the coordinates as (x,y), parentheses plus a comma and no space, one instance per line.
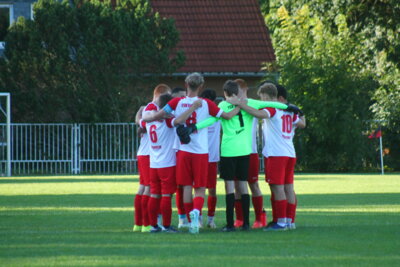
(53,149)
(106,148)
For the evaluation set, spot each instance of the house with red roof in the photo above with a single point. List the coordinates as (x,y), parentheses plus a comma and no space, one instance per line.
(222,39)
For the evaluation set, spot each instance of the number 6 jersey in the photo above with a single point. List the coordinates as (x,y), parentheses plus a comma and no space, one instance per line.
(278,132)
(162,135)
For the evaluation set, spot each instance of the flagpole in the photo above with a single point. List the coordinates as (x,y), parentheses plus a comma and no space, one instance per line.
(380,145)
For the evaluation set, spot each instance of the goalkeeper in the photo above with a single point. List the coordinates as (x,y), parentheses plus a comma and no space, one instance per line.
(235,149)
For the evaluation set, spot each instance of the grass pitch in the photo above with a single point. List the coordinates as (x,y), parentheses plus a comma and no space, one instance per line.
(87,221)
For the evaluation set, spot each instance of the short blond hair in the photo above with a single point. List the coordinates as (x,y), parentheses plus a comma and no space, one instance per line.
(269,89)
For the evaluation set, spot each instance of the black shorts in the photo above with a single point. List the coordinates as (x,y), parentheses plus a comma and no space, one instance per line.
(232,168)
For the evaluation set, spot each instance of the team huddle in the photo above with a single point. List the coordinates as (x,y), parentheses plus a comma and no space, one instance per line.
(183,137)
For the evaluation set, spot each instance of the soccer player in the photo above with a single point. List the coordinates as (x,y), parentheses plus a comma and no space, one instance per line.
(235,151)
(178,92)
(279,156)
(162,163)
(257,198)
(142,223)
(193,156)
(182,219)
(214,132)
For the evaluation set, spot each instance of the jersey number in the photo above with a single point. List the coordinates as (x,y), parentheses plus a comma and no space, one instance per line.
(287,123)
(153,133)
(192,119)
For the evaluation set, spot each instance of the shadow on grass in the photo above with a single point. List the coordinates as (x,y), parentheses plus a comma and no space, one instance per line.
(66,180)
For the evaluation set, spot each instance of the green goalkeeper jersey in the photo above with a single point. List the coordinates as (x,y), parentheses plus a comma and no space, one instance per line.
(237,132)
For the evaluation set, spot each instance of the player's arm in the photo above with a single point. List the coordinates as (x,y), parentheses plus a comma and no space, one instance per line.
(259,114)
(138,116)
(301,122)
(154,115)
(229,115)
(258,104)
(185,115)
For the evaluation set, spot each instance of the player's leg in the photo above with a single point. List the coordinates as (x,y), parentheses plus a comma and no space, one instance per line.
(257,198)
(155,200)
(138,219)
(241,173)
(276,178)
(272,199)
(168,185)
(200,175)
(212,193)
(238,206)
(290,194)
(184,179)
(227,168)
(182,219)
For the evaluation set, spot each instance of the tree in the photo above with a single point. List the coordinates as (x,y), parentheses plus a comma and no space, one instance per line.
(324,75)
(89,62)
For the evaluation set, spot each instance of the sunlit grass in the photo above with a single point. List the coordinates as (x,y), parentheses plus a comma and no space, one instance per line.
(86,221)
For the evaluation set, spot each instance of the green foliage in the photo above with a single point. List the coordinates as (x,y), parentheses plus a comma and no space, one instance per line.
(325,77)
(88,62)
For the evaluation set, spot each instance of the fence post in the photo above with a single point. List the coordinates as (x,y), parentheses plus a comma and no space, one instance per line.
(76,148)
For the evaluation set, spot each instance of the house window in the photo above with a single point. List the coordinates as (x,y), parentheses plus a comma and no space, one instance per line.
(6,18)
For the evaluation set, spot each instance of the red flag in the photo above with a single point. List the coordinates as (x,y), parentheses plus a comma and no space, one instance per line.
(376,134)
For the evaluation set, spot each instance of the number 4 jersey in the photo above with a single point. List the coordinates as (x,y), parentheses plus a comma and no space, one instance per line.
(162,135)
(199,139)
(278,133)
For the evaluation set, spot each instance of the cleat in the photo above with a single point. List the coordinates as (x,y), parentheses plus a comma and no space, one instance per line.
(238,223)
(170,230)
(183,225)
(264,218)
(155,229)
(228,229)
(211,223)
(137,228)
(275,227)
(257,225)
(291,226)
(194,225)
(146,229)
(270,224)
(245,227)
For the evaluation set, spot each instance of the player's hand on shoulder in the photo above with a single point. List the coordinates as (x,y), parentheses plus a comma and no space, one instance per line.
(198,103)
(234,100)
(295,109)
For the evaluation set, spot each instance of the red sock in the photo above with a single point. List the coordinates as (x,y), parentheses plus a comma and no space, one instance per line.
(198,203)
(179,201)
(145,214)
(238,209)
(211,204)
(258,207)
(188,209)
(291,211)
(281,208)
(166,210)
(153,207)
(138,210)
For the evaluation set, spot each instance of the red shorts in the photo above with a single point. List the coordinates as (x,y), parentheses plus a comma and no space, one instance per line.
(191,169)
(279,170)
(212,174)
(162,180)
(254,168)
(144,169)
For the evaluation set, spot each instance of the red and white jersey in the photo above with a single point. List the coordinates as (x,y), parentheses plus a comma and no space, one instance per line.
(199,139)
(214,141)
(278,132)
(144,147)
(161,135)
(254,136)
